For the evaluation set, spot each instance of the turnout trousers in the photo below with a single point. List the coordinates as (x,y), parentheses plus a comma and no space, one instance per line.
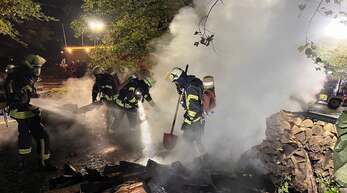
(119,114)
(32,127)
(193,133)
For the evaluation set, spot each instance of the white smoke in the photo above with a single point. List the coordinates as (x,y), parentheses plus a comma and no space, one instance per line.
(256,66)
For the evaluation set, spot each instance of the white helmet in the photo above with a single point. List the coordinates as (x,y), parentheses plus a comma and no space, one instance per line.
(208,82)
(98,70)
(175,74)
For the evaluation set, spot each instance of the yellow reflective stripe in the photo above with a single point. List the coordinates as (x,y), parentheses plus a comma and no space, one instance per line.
(128,106)
(190,122)
(120,103)
(147,82)
(21,115)
(28,87)
(107,86)
(187,121)
(195,97)
(108,98)
(191,113)
(133,100)
(24,151)
(46,156)
(191,97)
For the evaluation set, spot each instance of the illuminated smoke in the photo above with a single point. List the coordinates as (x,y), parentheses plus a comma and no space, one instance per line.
(256,66)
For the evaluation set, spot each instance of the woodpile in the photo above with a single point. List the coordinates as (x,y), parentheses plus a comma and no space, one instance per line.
(300,148)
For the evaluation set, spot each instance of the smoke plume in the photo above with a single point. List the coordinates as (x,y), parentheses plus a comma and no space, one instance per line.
(255,62)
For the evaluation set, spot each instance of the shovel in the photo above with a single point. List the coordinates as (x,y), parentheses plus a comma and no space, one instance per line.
(169,139)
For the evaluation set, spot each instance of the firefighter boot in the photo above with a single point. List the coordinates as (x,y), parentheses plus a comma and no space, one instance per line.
(47,166)
(23,164)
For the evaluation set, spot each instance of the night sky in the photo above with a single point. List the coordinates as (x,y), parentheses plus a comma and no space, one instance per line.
(43,38)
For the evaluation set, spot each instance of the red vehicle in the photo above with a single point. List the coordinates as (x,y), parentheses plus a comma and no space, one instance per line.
(334,93)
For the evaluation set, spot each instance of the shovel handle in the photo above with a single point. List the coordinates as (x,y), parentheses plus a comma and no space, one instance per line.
(177,106)
(176,112)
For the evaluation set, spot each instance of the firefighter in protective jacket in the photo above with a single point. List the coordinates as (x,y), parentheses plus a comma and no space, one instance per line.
(134,91)
(105,86)
(191,89)
(20,88)
(105,89)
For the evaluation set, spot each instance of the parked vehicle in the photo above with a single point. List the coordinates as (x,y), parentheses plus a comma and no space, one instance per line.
(334,93)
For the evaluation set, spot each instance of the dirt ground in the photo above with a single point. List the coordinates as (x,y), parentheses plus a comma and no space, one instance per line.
(82,149)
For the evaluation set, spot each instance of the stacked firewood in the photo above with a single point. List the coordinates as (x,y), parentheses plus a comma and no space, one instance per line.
(298,149)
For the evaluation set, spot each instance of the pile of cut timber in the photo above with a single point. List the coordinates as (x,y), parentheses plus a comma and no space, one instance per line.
(298,148)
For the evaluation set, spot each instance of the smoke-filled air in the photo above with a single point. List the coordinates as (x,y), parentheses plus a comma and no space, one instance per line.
(174,96)
(254,60)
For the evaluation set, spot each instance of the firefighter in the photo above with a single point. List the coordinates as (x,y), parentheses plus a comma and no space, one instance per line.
(105,90)
(340,151)
(191,90)
(209,97)
(134,91)
(105,86)
(19,86)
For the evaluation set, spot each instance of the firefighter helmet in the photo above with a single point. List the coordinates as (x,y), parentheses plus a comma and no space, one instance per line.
(208,82)
(98,70)
(133,76)
(35,63)
(10,68)
(175,74)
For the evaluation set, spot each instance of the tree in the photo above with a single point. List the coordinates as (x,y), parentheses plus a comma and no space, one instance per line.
(336,57)
(332,59)
(17,11)
(131,25)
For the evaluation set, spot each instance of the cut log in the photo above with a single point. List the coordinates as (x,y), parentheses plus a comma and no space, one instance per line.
(317,130)
(307,123)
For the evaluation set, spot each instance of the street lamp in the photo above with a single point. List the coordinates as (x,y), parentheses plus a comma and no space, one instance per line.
(96,26)
(336,30)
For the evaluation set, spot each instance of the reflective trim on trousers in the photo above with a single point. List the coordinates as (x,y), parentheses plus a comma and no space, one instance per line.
(24,151)
(21,115)
(194,121)
(124,105)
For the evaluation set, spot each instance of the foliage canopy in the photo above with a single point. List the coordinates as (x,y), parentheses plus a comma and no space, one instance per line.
(18,11)
(131,25)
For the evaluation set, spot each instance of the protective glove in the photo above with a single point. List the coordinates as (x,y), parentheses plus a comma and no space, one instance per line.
(152,103)
(179,89)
